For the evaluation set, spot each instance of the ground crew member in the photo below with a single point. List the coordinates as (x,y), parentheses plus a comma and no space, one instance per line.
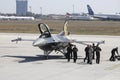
(90,55)
(86,53)
(112,58)
(98,49)
(93,46)
(69,52)
(75,50)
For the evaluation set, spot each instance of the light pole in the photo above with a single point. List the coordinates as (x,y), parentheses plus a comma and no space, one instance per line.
(73,8)
(41,11)
(30,9)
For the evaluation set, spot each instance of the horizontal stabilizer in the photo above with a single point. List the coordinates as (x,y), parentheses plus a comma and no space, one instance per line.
(90,42)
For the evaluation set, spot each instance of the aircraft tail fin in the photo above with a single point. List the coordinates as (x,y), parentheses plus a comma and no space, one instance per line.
(90,11)
(65,31)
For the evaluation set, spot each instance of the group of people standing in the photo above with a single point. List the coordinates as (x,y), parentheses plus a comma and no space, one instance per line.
(90,52)
(71,52)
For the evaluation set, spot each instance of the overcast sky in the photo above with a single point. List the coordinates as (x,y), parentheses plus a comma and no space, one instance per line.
(63,6)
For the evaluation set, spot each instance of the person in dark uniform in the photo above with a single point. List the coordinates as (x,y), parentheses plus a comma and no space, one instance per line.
(75,50)
(69,51)
(86,53)
(98,49)
(90,56)
(112,58)
(94,47)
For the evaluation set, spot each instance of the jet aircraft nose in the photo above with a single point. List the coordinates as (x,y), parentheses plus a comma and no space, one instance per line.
(39,42)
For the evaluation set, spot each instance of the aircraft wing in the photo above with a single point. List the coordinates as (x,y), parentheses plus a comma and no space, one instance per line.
(89,42)
(20,39)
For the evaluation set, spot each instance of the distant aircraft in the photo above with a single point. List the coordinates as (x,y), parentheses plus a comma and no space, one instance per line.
(102,16)
(54,42)
(16,18)
(76,16)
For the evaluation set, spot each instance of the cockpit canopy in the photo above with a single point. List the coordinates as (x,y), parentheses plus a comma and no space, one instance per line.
(44,30)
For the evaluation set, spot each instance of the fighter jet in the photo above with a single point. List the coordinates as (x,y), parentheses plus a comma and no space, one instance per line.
(54,42)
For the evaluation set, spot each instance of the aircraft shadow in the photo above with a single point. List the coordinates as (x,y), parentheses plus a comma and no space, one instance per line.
(36,58)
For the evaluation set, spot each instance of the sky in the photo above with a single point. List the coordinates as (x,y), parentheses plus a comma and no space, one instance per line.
(63,6)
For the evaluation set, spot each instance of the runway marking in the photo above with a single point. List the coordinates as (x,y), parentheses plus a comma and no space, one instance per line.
(113,67)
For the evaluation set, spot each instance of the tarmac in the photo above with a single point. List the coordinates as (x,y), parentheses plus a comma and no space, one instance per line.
(22,61)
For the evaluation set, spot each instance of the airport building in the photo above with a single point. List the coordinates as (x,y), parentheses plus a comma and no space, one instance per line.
(21,7)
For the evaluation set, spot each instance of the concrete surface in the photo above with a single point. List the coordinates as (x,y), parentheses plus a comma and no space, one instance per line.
(22,61)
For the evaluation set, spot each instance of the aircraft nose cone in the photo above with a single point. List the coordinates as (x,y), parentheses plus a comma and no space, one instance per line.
(39,42)
(36,44)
